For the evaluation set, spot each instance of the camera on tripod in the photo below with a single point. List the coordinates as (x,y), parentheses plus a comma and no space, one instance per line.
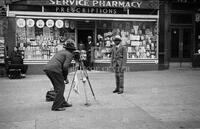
(80,55)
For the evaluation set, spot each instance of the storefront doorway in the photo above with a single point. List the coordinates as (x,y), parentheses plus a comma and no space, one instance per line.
(181,44)
(82,36)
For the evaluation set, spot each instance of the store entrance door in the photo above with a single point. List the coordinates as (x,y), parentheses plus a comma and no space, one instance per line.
(181,44)
(83,35)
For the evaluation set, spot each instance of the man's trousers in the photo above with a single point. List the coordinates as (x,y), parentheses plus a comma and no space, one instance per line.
(57,81)
(119,76)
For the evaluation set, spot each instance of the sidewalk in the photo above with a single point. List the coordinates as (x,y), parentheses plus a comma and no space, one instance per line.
(152,100)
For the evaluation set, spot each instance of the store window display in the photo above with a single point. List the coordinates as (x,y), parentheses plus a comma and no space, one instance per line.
(40,39)
(140,37)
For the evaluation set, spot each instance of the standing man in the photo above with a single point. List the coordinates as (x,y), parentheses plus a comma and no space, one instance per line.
(57,70)
(89,52)
(118,63)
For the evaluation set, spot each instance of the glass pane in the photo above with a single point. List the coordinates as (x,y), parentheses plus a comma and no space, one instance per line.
(181,18)
(139,37)
(186,43)
(182,6)
(174,43)
(40,39)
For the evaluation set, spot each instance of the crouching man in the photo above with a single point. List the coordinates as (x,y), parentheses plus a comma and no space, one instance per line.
(57,70)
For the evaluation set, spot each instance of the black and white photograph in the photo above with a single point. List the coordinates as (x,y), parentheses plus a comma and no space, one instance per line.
(99,64)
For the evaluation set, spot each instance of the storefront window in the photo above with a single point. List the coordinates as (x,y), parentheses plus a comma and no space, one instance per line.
(2,39)
(40,39)
(140,38)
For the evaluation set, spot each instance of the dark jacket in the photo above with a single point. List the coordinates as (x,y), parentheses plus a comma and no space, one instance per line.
(16,57)
(118,57)
(60,62)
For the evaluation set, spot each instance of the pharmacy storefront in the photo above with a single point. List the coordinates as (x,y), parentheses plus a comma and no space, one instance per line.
(40,27)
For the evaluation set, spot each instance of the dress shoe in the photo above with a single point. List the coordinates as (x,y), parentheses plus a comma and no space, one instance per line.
(65,104)
(58,109)
(121,92)
(115,91)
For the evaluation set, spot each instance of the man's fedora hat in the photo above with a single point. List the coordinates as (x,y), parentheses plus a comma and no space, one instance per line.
(69,45)
(117,38)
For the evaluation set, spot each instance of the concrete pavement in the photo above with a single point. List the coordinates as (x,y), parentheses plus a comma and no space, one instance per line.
(152,100)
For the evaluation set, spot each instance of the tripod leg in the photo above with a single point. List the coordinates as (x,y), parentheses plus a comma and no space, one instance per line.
(87,77)
(84,88)
(86,99)
(71,86)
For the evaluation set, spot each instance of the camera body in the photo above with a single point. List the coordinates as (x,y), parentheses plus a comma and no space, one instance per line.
(80,55)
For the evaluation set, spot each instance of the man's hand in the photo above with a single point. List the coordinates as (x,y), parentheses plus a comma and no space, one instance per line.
(66,81)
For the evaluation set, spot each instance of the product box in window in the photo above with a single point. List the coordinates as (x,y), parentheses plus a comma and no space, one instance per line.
(129,49)
(129,56)
(153,52)
(142,49)
(134,37)
(144,42)
(148,31)
(152,46)
(137,54)
(136,43)
(142,37)
(148,54)
(140,32)
(152,56)
(154,38)
(148,47)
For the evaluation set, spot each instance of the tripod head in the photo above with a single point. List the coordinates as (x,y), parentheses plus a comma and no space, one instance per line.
(80,56)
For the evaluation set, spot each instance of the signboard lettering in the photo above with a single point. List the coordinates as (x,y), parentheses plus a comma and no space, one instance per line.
(97,3)
(67,9)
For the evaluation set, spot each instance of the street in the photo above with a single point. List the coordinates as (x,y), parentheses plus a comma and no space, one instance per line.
(168,99)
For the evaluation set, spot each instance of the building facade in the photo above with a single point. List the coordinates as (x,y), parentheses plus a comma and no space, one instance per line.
(179,34)
(39,27)
(3,28)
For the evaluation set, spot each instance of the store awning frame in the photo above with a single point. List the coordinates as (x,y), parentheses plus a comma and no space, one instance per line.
(54,15)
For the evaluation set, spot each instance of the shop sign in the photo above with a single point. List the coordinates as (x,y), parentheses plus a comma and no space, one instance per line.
(142,4)
(40,23)
(63,9)
(98,3)
(21,23)
(59,23)
(50,23)
(30,22)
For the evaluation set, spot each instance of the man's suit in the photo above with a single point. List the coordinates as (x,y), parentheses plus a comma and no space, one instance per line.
(118,63)
(57,70)
(89,54)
